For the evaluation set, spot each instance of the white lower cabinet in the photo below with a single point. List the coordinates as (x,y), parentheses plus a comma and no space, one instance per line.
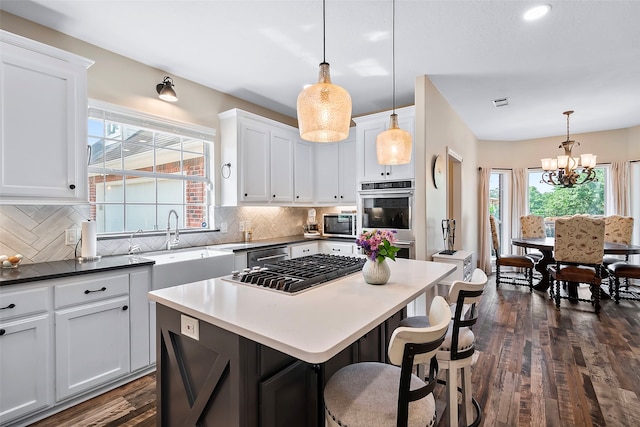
(303,249)
(92,345)
(339,248)
(25,374)
(60,339)
(463,260)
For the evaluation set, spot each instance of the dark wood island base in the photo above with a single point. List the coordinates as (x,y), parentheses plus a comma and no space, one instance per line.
(226,380)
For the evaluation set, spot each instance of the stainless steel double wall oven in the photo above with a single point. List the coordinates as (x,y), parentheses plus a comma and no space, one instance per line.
(389,205)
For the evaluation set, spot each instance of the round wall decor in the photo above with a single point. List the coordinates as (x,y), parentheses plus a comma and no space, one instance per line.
(438,171)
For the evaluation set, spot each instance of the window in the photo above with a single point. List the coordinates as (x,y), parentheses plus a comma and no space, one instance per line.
(549,201)
(498,203)
(141,167)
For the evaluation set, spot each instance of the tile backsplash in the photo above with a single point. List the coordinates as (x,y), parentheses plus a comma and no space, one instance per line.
(37,231)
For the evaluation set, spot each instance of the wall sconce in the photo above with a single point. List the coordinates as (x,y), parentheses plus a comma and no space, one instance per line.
(165,90)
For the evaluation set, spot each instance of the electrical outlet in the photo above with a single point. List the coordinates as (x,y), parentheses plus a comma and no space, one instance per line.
(223,227)
(241,226)
(70,236)
(247,226)
(190,327)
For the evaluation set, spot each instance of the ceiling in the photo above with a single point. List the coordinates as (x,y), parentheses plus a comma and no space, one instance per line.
(583,56)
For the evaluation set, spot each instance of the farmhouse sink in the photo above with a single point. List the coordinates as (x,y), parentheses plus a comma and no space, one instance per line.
(178,267)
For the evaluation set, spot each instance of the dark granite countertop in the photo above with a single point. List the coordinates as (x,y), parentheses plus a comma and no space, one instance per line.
(55,269)
(66,268)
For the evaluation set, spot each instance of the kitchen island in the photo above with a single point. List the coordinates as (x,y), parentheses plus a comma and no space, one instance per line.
(239,355)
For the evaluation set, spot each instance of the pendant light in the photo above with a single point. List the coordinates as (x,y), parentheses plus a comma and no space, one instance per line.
(393,146)
(324,109)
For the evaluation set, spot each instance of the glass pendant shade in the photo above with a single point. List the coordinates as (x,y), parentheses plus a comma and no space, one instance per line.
(393,146)
(324,110)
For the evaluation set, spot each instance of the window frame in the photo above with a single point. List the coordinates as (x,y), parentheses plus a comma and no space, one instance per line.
(126,117)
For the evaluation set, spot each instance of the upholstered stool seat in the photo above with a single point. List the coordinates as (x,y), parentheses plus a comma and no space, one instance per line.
(371,394)
(373,389)
(622,270)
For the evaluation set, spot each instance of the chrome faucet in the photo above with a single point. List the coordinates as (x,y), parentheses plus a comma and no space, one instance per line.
(172,243)
(132,247)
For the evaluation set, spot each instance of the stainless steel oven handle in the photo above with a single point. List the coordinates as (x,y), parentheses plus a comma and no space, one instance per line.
(385,192)
(272,257)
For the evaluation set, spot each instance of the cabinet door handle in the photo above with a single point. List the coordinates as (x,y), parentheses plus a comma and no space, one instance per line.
(274,196)
(125,308)
(297,197)
(335,197)
(245,194)
(388,173)
(342,197)
(12,305)
(102,289)
(381,173)
(2,331)
(72,186)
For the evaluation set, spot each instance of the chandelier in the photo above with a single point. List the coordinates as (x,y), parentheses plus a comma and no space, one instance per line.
(563,170)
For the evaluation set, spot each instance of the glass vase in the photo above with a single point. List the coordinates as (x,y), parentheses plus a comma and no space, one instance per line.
(376,272)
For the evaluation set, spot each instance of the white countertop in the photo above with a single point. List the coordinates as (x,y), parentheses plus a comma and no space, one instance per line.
(314,325)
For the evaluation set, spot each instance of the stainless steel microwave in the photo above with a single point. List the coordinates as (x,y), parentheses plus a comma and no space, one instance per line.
(340,225)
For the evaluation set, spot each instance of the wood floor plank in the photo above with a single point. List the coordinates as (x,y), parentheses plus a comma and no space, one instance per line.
(536,365)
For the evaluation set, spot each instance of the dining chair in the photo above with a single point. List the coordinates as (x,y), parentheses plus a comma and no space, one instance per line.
(508,260)
(532,227)
(578,252)
(626,271)
(617,229)
(370,394)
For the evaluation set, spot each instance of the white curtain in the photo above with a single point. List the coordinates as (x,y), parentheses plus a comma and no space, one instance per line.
(621,188)
(519,198)
(484,257)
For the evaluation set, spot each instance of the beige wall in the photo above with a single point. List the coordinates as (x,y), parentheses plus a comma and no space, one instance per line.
(439,129)
(609,146)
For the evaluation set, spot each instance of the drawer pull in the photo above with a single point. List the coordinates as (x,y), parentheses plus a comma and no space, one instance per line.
(12,305)
(87,291)
(2,331)
(125,308)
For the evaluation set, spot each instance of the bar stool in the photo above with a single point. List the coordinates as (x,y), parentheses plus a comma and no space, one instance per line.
(456,351)
(622,270)
(371,394)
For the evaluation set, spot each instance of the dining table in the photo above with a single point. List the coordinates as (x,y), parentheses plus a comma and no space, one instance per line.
(546,244)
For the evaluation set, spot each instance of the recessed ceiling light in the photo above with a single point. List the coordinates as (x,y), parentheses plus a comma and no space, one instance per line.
(536,12)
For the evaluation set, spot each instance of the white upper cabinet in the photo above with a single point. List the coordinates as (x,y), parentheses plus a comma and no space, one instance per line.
(367,130)
(43,117)
(335,172)
(260,153)
(303,167)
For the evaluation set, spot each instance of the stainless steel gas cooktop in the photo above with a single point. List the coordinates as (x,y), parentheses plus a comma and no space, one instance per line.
(298,274)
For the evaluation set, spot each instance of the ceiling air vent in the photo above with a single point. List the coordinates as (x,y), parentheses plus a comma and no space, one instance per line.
(500,102)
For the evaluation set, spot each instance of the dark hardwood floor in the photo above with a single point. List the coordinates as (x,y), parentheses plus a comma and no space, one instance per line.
(536,366)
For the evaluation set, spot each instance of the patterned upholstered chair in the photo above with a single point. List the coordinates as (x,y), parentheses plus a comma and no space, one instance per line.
(532,227)
(515,261)
(371,394)
(617,229)
(578,251)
